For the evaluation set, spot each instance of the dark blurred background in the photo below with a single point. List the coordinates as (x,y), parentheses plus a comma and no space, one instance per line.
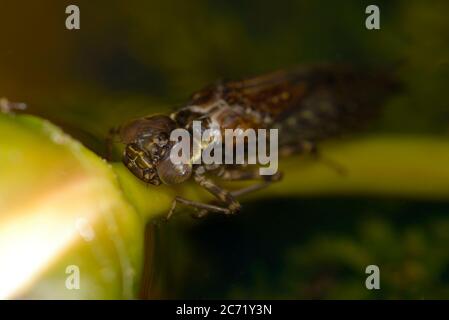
(132,58)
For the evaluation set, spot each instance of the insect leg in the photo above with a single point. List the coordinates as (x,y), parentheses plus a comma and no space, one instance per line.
(240,175)
(203,208)
(232,206)
(223,195)
(226,197)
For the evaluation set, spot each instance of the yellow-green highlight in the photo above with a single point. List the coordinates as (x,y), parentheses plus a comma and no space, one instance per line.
(62,206)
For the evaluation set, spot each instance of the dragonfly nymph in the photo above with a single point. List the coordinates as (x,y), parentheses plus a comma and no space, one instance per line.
(306,105)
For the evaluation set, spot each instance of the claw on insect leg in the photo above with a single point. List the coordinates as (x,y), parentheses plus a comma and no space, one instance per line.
(172,210)
(200,214)
(201,208)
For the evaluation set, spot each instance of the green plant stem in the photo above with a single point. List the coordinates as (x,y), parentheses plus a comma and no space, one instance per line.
(413,167)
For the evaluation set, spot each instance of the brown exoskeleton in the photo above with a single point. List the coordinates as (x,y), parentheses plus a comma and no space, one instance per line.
(307,105)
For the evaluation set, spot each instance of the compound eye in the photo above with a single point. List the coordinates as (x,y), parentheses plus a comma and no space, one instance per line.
(171,173)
